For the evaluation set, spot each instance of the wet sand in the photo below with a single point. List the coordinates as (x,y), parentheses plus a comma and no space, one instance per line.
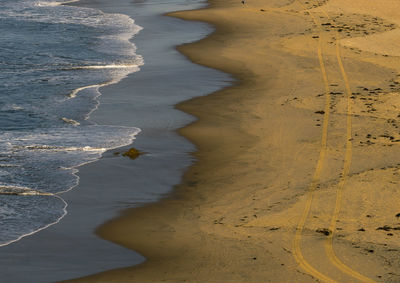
(297,169)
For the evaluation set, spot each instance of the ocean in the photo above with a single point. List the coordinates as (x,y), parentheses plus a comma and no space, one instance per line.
(53,60)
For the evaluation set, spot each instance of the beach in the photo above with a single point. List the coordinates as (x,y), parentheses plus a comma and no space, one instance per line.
(297,170)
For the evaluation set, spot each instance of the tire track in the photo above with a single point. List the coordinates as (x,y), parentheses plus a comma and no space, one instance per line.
(346,167)
(298,255)
(345,173)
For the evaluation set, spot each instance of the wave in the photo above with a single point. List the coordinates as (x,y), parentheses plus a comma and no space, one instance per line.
(21,191)
(26,191)
(64,213)
(59,148)
(53,4)
(111,66)
(130,68)
(48,50)
(12,107)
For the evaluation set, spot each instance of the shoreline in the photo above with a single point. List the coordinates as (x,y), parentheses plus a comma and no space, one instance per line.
(144,99)
(234,216)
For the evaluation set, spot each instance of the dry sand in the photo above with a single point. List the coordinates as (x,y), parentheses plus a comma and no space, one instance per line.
(298,169)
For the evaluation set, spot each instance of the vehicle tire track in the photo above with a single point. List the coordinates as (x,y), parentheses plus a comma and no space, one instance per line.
(298,255)
(345,173)
(346,167)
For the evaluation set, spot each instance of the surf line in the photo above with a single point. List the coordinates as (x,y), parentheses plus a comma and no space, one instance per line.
(297,252)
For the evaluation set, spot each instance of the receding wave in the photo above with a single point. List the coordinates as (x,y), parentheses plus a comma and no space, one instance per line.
(52,53)
(76,91)
(127,69)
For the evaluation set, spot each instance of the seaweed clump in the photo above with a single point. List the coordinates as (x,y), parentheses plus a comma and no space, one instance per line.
(132,153)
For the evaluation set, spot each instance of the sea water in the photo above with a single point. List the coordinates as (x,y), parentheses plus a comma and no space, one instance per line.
(53,60)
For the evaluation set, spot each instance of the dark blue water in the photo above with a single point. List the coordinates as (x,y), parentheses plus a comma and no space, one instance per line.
(53,59)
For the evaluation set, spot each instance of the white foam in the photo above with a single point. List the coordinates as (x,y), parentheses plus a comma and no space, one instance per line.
(60,148)
(70,121)
(9,165)
(21,191)
(111,66)
(117,76)
(12,107)
(79,89)
(52,4)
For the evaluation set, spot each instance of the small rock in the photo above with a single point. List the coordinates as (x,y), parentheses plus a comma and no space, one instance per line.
(324,231)
(385,228)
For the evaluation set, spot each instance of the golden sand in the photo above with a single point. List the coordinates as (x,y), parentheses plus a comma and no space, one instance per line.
(298,169)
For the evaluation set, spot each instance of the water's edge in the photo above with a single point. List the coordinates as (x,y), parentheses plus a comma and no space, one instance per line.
(146,100)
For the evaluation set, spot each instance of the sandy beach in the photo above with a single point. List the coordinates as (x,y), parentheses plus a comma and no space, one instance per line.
(297,169)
